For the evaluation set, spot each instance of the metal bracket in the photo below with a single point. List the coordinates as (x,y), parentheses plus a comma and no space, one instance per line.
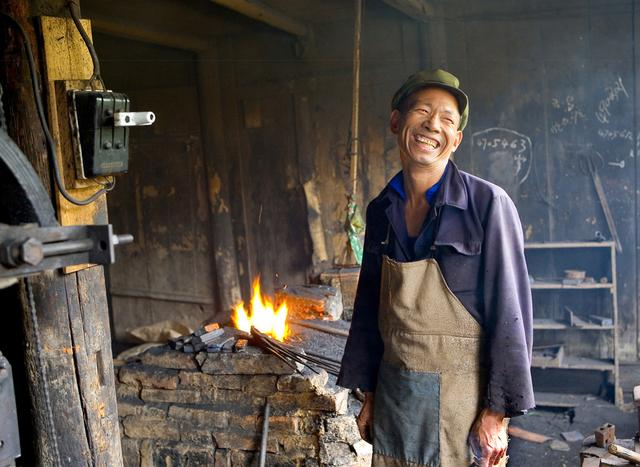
(29,249)
(133,118)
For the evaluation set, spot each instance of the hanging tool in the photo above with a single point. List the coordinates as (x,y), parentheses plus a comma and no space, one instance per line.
(353,223)
(590,163)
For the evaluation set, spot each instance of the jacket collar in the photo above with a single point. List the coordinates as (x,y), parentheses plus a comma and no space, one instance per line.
(452,190)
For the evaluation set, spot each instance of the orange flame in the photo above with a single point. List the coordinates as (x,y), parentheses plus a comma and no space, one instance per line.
(263,315)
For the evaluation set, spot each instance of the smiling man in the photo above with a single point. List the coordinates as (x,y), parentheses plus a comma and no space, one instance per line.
(440,340)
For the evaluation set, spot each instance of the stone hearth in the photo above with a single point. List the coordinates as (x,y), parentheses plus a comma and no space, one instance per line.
(178,409)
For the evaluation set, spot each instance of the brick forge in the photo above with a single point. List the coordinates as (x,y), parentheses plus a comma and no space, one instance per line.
(178,409)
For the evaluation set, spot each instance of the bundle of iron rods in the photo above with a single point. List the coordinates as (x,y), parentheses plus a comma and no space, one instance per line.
(290,355)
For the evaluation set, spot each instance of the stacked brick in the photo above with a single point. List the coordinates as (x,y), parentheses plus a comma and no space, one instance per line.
(207,409)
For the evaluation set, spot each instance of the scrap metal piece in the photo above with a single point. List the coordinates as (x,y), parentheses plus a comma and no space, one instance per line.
(9,437)
(605,435)
(240,345)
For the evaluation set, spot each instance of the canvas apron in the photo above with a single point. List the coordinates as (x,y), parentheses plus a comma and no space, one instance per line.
(431,381)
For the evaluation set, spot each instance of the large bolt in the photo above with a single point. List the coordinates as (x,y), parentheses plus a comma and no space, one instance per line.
(30,252)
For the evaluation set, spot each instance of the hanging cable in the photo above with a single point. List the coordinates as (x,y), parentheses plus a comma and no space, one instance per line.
(74,11)
(35,84)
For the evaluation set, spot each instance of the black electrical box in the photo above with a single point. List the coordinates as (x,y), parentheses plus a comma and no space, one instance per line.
(104,147)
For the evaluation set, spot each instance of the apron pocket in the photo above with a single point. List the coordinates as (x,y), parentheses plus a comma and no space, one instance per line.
(406,416)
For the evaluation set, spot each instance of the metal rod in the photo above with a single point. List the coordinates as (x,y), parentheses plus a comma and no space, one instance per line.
(265,434)
(67,247)
(321,327)
(355,100)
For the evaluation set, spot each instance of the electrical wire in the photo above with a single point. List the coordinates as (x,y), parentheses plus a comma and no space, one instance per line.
(74,10)
(35,83)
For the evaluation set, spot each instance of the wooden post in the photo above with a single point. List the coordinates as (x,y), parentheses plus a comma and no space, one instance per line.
(67,357)
(225,259)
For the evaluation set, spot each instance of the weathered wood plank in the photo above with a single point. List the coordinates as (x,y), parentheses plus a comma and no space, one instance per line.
(218,181)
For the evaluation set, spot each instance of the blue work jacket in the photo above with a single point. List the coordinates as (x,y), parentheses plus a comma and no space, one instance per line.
(474,232)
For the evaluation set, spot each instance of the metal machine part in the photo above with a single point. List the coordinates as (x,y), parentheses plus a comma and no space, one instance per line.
(30,249)
(133,118)
(9,439)
(101,119)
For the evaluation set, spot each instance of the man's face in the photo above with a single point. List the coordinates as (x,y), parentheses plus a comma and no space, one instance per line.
(427,132)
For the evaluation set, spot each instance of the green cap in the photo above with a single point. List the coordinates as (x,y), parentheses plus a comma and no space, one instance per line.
(434,78)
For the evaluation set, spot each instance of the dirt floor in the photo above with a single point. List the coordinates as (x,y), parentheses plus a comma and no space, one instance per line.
(588,414)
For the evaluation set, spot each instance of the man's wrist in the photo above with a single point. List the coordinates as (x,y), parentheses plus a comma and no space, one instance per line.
(488,412)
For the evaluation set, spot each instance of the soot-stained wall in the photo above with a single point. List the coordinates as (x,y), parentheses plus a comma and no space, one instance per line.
(551,86)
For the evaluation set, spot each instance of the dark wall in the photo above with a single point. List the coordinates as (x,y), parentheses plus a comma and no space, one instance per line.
(551,85)
(167,273)
(563,81)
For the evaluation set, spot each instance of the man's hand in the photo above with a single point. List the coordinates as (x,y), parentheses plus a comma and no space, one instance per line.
(489,437)
(365,418)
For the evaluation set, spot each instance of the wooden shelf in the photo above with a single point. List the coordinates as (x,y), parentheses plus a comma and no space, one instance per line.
(552,324)
(547,254)
(551,245)
(559,285)
(580,363)
(559,400)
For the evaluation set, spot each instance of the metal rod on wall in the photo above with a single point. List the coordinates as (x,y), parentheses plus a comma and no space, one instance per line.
(355,102)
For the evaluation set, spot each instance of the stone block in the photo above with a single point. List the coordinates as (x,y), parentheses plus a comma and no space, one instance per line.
(165,357)
(308,381)
(251,362)
(300,446)
(342,428)
(333,401)
(251,459)
(130,452)
(170,453)
(190,434)
(199,417)
(222,458)
(178,396)
(147,376)
(150,427)
(238,440)
(257,385)
(250,423)
(137,407)
(127,391)
(279,426)
(335,454)
(235,401)
(362,448)
(284,423)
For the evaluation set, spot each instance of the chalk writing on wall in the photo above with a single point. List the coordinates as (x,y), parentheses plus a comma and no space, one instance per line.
(610,135)
(570,114)
(503,153)
(612,94)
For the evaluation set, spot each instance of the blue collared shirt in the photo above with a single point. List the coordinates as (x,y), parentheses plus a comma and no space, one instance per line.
(416,246)
(479,246)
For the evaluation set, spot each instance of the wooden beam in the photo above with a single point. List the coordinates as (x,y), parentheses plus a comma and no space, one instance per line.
(138,32)
(217,166)
(264,13)
(417,9)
